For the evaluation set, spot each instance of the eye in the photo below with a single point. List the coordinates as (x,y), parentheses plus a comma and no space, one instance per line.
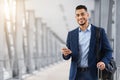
(77,15)
(81,14)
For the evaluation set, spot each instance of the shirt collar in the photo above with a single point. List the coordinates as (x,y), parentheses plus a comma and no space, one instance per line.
(88,29)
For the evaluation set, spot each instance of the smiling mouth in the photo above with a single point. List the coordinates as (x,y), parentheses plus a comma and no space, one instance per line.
(80,21)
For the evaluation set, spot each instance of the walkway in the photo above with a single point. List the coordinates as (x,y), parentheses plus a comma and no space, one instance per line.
(58,71)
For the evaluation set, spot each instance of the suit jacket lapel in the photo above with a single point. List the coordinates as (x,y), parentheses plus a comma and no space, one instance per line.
(92,40)
(92,44)
(75,41)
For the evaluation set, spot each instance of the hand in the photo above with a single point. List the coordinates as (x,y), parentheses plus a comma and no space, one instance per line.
(66,51)
(101,65)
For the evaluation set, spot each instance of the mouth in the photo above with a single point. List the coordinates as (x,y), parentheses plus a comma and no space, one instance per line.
(80,21)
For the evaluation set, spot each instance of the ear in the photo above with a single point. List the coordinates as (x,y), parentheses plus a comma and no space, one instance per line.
(88,14)
(75,16)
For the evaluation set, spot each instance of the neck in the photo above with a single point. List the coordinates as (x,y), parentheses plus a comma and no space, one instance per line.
(84,27)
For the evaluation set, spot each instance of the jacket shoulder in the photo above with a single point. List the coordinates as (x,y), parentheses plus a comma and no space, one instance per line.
(97,27)
(74,30)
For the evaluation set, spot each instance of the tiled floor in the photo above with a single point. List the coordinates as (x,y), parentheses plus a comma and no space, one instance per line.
(58,71)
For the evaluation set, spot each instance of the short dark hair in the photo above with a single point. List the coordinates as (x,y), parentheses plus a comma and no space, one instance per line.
(81,7)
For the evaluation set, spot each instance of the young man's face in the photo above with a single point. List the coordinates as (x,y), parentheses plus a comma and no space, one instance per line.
(82,16)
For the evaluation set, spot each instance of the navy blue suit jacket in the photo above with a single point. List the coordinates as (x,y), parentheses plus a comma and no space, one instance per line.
(73,44)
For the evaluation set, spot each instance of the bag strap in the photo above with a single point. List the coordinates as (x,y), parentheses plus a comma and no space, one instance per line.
(98,43)
(98,50)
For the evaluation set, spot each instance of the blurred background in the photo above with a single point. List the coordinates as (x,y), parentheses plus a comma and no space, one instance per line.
(32,33)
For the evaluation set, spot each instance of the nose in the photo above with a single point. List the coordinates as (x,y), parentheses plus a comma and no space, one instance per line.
(80,17)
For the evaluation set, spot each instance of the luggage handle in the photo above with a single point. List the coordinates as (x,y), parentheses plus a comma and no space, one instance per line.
(99,74)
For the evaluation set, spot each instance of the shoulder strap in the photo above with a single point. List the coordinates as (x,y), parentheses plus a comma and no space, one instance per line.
(97,43)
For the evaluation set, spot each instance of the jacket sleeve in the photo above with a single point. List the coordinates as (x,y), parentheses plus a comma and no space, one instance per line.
(68,46)
(106,48)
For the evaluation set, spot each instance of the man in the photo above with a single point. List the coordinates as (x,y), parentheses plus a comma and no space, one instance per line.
(81,44)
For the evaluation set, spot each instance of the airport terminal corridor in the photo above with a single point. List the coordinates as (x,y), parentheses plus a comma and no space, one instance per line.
(32,33)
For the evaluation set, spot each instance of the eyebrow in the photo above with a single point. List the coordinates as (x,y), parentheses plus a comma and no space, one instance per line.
(80,13)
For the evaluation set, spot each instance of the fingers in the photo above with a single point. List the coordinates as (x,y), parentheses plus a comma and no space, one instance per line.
(66,51)
(101,65)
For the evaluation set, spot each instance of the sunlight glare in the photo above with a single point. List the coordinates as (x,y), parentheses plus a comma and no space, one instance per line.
(7,16)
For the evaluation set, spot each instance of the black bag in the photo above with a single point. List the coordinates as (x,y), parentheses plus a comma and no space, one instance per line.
(108,72)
